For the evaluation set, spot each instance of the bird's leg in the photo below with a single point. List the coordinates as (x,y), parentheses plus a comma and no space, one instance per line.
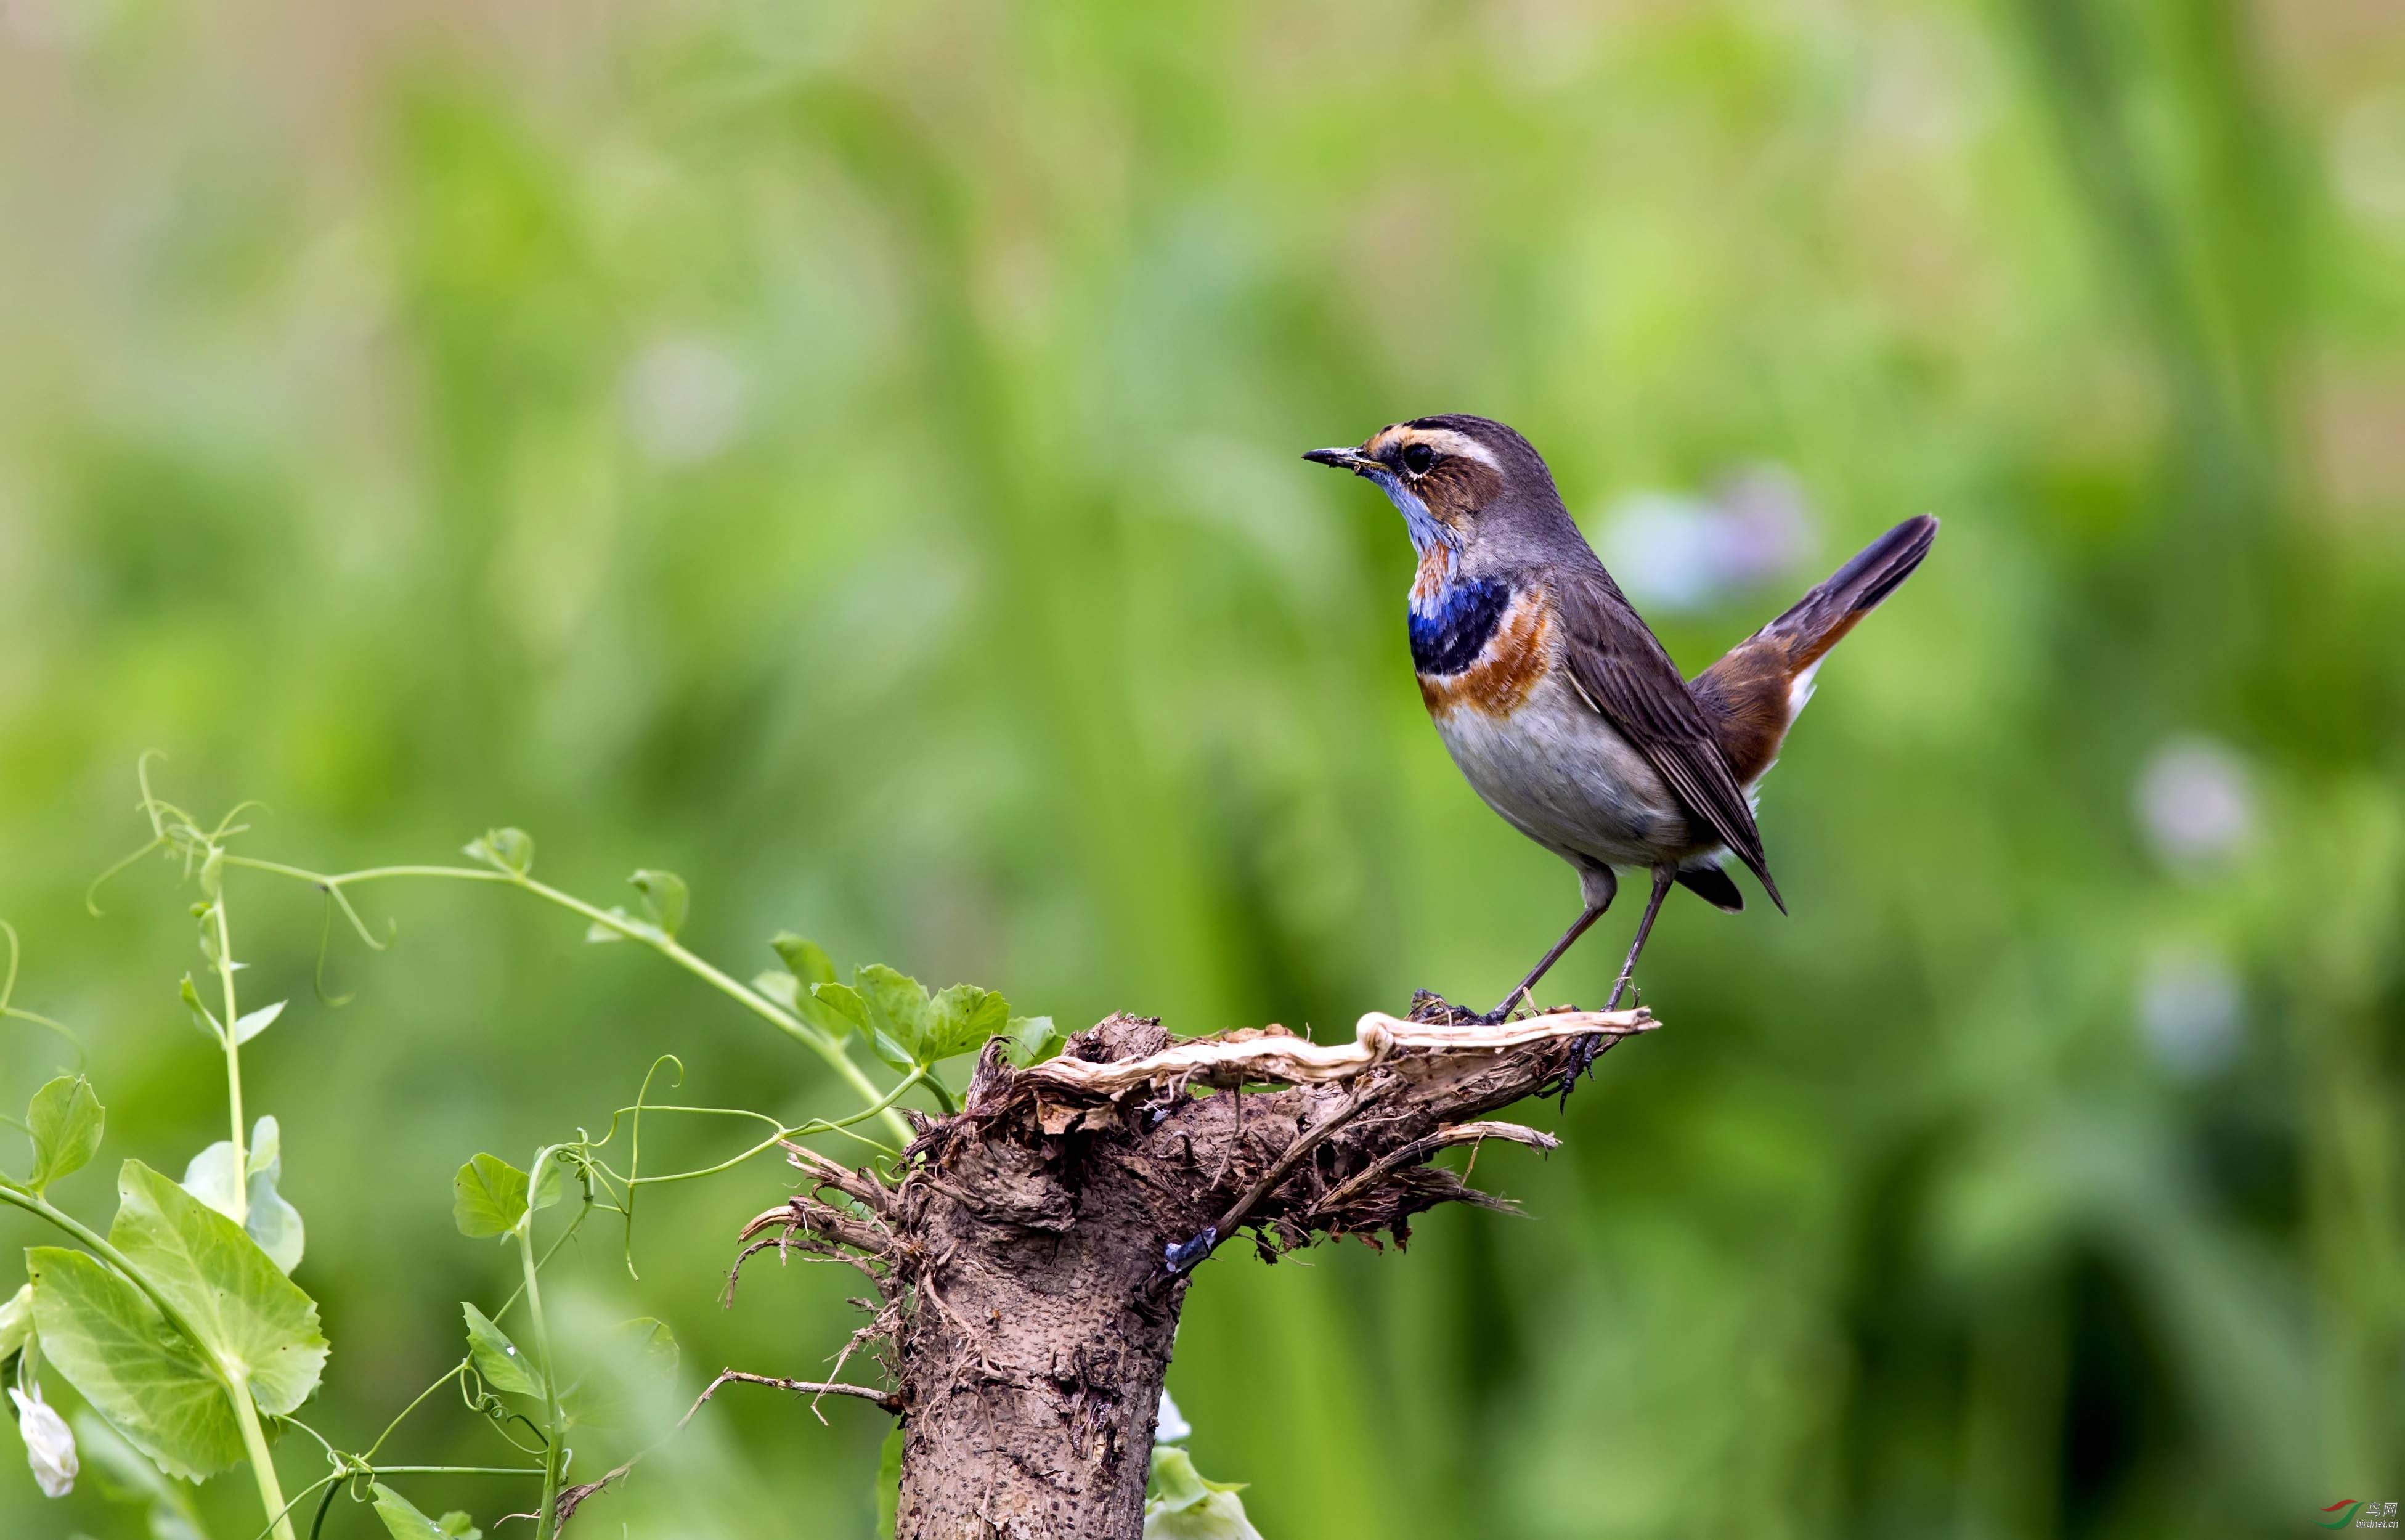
(1578,928)
(1583,1050)
(1663,877)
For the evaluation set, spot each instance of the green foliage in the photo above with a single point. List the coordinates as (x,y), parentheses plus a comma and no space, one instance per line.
(910,1030)
(201,1016)
(269,1217)
(805,959)
(664,899)
(250,1024)
(613,930)
(185,1327)
(404,1521)
(1034,1040)
(488,1196)
(898,1015)
(808,971)
(844,1010)
(498,1359)
(66,1121)
(256,1206)
(960,1018)
(149,1380)
(255,1322)
(509,849)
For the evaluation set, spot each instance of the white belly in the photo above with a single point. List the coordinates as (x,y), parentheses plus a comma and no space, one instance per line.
(1562,776)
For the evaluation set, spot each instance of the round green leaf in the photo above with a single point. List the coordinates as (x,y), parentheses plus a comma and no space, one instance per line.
(899,1015)
(961,1019)
(488,1197)
(65,1118)
(121,1355)
(255,1322)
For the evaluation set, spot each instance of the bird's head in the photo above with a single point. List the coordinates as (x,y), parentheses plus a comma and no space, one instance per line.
(1456,478)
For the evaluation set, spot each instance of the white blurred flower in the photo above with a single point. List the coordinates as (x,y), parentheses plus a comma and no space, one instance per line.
(2191,1010)
(50,1446)
(1171,1427)
(1677,551)
(2195,802)
(684,397)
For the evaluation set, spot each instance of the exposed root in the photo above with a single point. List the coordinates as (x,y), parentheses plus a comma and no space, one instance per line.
(1420,1148)
(886,1400)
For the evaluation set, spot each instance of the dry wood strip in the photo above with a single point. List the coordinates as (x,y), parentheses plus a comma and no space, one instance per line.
(1277,1056)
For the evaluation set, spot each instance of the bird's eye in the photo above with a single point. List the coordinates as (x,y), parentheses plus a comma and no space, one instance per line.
(1418,458)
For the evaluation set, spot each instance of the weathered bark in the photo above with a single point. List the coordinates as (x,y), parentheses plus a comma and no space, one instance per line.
(1032,1261)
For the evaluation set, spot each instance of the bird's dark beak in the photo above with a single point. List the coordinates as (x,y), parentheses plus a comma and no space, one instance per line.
(1344,460)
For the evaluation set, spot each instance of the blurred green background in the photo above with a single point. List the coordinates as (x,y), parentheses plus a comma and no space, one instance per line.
(847,455)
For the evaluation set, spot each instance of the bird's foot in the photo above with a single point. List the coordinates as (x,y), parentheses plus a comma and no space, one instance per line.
(1582,1060)
(1583,1050)
(1431,1010)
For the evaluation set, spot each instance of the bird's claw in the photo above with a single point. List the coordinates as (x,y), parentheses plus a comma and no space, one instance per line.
(1582,1060)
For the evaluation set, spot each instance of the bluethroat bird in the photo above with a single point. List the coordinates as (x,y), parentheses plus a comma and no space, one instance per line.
(1557,700)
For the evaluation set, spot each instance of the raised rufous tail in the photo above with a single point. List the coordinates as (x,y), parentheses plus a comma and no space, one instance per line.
(1752,695)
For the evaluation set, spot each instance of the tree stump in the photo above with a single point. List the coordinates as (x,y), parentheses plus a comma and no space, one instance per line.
(1031,1260)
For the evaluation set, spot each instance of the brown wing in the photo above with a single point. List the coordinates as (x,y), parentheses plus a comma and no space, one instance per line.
(1625,676)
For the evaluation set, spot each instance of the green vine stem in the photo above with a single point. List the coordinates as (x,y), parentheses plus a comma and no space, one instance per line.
(359,1469)
(625,927)
(241,1215)
(554,1426)
(262,1462)
(15,1013)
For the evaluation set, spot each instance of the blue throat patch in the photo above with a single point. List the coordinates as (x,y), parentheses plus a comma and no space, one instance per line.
(1448,635)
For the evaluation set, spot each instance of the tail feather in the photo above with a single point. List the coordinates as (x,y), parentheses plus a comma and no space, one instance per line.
(1816,622)
(1752,695)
